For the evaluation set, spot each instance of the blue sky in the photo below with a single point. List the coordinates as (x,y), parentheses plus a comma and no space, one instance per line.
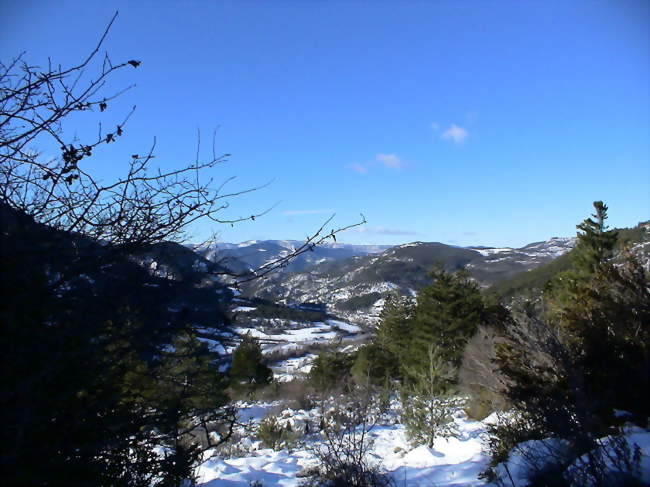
(464,122)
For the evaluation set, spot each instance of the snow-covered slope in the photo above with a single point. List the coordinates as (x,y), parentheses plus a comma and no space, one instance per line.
(291,344)
(452,462)
(256,253)
(357,287)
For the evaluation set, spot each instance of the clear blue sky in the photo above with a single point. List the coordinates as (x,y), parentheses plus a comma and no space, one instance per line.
(464,122)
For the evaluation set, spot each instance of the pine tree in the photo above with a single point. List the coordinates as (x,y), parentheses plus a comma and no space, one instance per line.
(428,400)
(595,244)
(447,313)
(587,355)
(394,326)
(594,249)
(331,370)
(380,360)
(248,368)
(375,365)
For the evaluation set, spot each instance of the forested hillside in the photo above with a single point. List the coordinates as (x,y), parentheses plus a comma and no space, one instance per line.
(357,288)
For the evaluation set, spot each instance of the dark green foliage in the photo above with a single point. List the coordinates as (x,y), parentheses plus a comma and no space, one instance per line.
(381,360)
(595,243)
(268,309)
(248,368)
(602,311)
(96,377)
(359,302)
(331,370)
(428,400)
(376,365)
(447,315)
(586,354)
(394,329)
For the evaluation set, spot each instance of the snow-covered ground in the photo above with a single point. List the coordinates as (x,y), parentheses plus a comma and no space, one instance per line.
(293,340)
(452,462)
(293,368)
(317,332)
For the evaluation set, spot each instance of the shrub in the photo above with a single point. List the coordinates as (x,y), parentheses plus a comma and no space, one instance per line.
(275,435)
(343,452)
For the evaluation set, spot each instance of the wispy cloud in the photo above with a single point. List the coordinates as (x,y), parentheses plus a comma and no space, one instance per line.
(358,168)
(306,212)
(455,133)
(391,160)
(385,231)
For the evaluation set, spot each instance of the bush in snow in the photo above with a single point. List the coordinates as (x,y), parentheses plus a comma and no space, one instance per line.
(345,444)
(615,461)
(276,435)
(620,460)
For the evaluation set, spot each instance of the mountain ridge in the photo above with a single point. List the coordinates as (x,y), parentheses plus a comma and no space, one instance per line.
(357,286)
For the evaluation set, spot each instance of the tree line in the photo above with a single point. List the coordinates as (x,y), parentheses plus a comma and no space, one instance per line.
(565,362)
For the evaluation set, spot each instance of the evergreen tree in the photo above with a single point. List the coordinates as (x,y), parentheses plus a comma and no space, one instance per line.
(428,400)
(189,393)
(394,326)
(595,244)
(380,360)
(601,308)
(248,368)
(587,355)
(375,365)
(594,248)
(446,315)
(331,370)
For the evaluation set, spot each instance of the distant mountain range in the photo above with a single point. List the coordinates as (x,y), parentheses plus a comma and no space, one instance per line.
(333,280)
(353,281)
(247,256)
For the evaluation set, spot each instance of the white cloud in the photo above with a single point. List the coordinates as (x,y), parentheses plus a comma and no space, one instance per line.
(391,160)
(455,133)
(306,212)
(358,168)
